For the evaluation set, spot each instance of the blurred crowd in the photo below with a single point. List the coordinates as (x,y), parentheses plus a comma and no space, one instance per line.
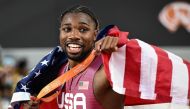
(11,71)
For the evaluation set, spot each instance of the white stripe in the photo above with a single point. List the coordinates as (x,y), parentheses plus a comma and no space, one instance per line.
(158,106)
(19,96)
(117,69)
(149,61)
(180,80)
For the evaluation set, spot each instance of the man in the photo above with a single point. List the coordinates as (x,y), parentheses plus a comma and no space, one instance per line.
(78,32)
(137,70)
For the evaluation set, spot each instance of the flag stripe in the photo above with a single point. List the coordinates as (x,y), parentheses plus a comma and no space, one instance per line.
(164,73)
(18,96)
(149,63)
(132,68)
(117,73)
(179,85)
(188,67)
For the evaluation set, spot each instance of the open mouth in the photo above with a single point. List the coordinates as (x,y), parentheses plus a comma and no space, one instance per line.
(74,48)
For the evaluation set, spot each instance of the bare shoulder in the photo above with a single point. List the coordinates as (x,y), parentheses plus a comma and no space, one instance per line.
(104,93)
(100,80)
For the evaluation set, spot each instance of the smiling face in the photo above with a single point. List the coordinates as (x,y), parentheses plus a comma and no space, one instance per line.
(77,35)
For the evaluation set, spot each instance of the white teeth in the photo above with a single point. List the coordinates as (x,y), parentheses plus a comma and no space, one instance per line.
(74,49)
(74,45)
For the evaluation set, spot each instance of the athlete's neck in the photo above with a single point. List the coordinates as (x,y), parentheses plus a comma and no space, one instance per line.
(73,63)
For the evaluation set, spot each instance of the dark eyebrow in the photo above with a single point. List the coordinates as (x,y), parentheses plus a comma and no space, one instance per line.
(84,23)
(66,24)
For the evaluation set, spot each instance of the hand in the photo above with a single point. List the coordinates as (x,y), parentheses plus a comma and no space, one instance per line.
(32,104)
(108,44)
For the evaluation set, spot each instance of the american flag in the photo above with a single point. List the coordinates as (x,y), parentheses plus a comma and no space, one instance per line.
(144,73)
(83,85)
(147,74)
(44,72)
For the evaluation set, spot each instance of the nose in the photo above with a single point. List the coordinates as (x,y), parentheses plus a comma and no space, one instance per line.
(74,35)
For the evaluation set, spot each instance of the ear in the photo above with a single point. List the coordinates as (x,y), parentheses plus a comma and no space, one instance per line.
(95,34)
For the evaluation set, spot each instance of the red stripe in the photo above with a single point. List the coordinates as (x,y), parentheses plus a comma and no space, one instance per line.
(164,75)
(129,101)
(163,80)
(188,67)
(132,68)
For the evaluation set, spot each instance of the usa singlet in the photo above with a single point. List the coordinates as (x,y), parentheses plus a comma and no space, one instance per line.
(78,93)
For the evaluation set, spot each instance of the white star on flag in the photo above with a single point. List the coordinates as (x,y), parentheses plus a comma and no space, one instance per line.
(60,49)
(44,62)
(24,87)
(25,77)
(53,61)
(37,74)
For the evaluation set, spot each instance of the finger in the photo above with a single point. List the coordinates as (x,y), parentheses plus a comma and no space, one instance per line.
(97,48)
(33,101)
(114,43)
(104,42)
(98,44)
(109,45)
(97,52)
(33,98)
(25,105)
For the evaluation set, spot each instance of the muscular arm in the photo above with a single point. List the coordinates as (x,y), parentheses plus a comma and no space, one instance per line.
(104,93)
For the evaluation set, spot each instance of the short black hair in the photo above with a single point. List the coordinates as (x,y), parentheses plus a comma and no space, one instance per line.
(82,9)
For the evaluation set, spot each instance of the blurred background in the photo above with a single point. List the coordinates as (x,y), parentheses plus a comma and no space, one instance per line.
(30,29)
